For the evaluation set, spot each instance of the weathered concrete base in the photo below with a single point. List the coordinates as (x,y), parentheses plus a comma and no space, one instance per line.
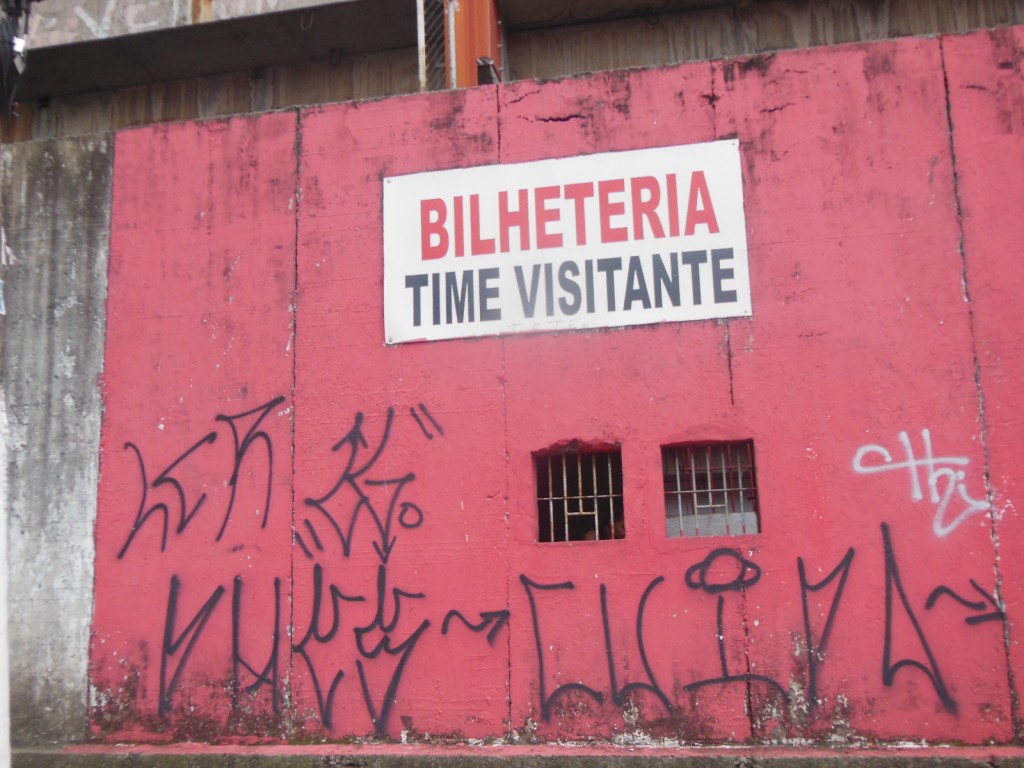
(562,756)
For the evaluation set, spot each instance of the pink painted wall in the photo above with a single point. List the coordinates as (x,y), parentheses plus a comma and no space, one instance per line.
(394,584)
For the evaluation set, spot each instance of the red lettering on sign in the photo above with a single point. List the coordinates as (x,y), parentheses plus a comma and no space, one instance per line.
(609,208)
(705,214)
(460,235)
(519,218)
(479,246)
(578,193)
(646,207)
(629,209)
(545,216)
(673,205)
(433,214)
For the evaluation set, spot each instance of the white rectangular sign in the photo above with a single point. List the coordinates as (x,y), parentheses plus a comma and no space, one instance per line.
(596,241)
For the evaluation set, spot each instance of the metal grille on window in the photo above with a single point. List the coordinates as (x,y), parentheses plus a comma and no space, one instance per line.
(710,489)
(433,44)
(579,496)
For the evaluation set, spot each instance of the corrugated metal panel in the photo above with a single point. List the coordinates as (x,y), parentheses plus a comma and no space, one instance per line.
(724,32)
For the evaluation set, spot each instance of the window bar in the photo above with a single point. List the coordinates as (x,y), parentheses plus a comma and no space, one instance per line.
(743,463)
(679,489)
(741,503)
(595,520)
(694,491)
(551,503)
(578,498)
(726,461)
(596,514)
(709,480)
(565,499)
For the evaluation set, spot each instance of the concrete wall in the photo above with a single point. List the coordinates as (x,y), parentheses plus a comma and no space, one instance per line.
(56,216)
(304,533)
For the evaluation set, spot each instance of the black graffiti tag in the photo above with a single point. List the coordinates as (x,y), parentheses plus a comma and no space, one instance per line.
(183,509)
(356,479)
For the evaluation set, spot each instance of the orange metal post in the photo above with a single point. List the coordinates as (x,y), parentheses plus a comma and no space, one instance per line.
(477,35)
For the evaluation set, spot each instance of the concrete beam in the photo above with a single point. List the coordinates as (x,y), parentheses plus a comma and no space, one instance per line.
(169,47)
(62,22)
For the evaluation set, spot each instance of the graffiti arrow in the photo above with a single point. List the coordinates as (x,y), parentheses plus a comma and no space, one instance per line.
(987,602)
(497,618)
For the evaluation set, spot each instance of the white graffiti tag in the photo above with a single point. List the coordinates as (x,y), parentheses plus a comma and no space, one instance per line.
(941,475)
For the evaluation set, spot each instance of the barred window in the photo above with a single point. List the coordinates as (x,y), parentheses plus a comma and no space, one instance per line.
(710,489)
(579,495)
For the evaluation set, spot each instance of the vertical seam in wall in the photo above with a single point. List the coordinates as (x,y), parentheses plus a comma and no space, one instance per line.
(508,517)
(497,109)
(295,373)
(752,719)
(712,100)
(1015,713)
(112,144)
(508,539)
(728,353)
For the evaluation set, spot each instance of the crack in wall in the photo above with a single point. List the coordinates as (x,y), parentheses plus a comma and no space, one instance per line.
(712,99)
(559,118)
(728,353)
(509,728)
(1015,704)
(747,693)
(287,687)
